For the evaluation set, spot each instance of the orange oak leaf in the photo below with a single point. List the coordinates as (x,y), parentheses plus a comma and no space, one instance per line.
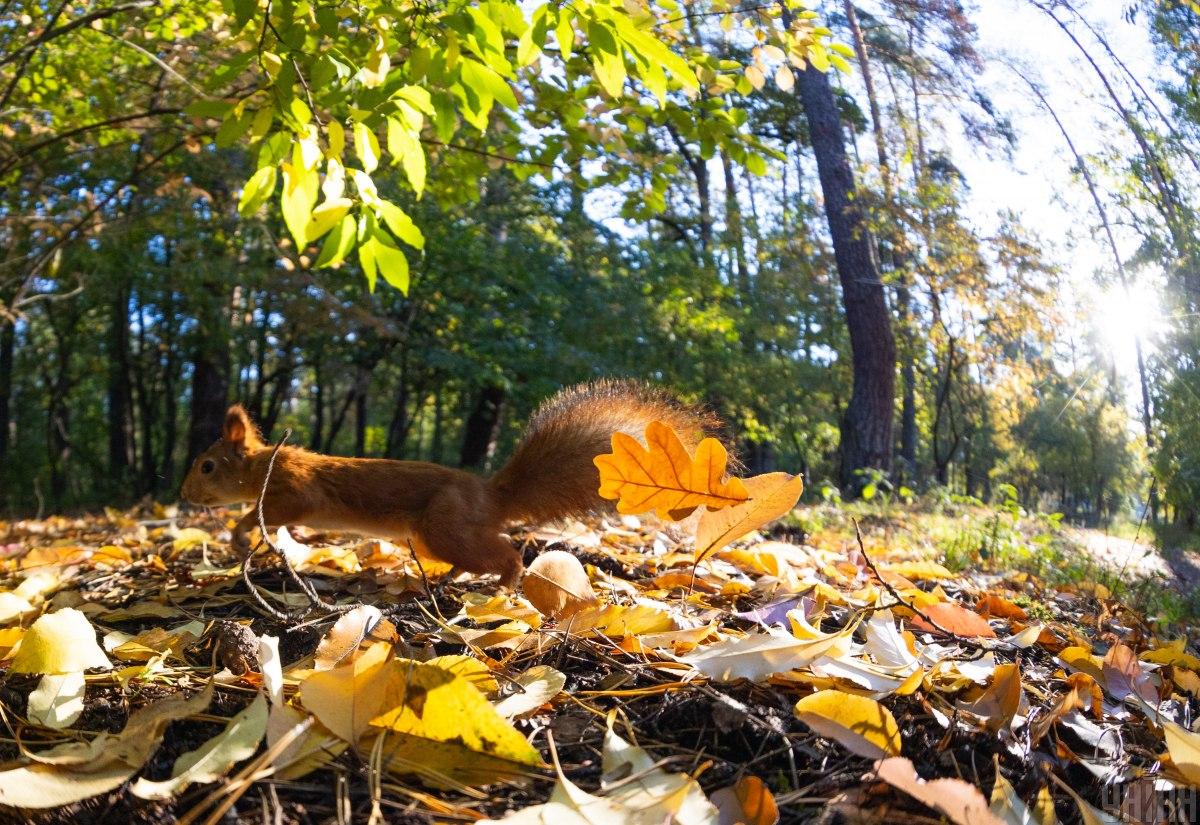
(664,477)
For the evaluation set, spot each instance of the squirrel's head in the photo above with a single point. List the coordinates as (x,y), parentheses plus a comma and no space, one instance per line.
(222,473)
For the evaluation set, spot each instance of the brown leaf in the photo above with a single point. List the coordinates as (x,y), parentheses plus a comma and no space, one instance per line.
(1123,675)
(958,801)
(954,618)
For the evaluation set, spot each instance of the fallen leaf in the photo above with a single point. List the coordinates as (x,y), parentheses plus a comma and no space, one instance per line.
(442,729)
(214,758)
(749,802)
(57,701)
(313,749)
(539,684)
(770,496)
(346,699)
(955,619)
(663,476)
(632,778)
(1006,806)
(1172,653)
(992,605)
(62,642)
(1002,701)
(346,635)
(759,655)
(1123,675)
(557,585)
(78,770)
(861,725)
(959,801)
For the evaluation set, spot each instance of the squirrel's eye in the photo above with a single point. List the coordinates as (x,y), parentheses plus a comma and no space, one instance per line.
(208,466)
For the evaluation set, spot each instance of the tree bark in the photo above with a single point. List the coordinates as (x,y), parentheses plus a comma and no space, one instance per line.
(8,345)
(210,396)
(120,392)
(867,427)
(483,425)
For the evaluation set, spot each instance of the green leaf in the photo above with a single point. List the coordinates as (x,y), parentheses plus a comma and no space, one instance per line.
(401,224)
(299,194)
(366,259)
(366,146)
(756,164)
(233,128)
(406,149)
(208,108)
(337,139)
(417,96)
(392,264)
(257,191)
(243,12)
(564,32)
(326,216)
(272,64)
(818,56)
(483,78)
(338,243)
(607,58)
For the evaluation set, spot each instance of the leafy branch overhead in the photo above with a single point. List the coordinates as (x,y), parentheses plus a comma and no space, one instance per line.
(330,94)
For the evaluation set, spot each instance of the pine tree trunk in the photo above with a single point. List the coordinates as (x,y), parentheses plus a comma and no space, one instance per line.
(210,395)
(8,345)
(867,427)
(483,425)
(120,393)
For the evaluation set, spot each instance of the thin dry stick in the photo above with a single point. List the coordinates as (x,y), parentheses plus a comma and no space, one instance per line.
(895,595)
(315,600)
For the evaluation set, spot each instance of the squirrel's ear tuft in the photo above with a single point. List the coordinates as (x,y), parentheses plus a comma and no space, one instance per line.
(237,429)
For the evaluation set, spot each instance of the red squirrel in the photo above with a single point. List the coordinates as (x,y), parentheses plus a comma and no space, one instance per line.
(452,515)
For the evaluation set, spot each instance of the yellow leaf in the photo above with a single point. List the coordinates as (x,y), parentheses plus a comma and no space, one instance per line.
(861,725)
(443,730)
(62,642)
(1003,699)
(346,699)
(1006,804)
(312,749)
(538,685)
(663,477)
(770,496)
(633,778)
(188,538)
(469,668)
(1184,747)
(1172,653)
(212,760)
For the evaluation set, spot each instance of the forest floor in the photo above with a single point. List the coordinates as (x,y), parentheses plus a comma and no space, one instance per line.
(1036,672)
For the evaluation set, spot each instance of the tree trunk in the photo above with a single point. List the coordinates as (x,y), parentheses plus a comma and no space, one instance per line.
(483,425)
(360,422)
(867,427)
(8,345)
(120,393)
(210,395)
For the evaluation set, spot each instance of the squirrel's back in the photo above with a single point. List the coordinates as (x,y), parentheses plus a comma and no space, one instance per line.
(551,473)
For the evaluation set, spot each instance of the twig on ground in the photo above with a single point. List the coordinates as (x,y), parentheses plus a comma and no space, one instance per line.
(963,640)
(315,600)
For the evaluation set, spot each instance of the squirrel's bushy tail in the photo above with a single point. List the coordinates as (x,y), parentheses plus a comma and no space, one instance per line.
(551,474)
